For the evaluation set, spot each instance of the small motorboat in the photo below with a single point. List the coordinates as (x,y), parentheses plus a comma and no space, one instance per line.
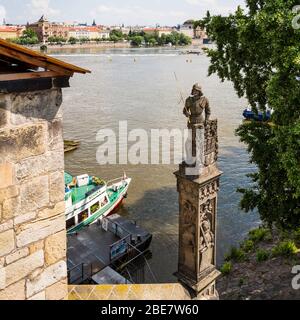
(90,199)
(259,116)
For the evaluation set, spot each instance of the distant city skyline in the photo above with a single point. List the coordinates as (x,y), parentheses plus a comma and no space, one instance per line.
(113,12)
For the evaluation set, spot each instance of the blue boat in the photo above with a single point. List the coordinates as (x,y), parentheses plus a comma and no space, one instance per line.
(260,116)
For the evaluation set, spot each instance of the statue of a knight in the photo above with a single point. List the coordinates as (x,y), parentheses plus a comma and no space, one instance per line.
(194,107)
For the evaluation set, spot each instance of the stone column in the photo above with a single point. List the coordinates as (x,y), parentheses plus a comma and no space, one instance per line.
(198,191)
(32,219)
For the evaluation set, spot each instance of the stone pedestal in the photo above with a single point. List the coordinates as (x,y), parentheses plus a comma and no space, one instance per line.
(198,216)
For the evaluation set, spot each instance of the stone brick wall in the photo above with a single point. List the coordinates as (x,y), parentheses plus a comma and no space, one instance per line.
(32,222)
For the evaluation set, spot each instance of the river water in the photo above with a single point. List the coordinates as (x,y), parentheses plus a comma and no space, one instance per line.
(138,85)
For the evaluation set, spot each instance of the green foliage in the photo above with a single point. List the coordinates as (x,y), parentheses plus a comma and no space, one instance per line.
(241,282)
(153,39)
(258,51)
(137,40)
(226,268)
(286,249)
(262,255)
(296,236)
(260,234)
(116,35)
(72,40)
(56,39)
(236,255)
(29,37)
(248,245)
(84,39)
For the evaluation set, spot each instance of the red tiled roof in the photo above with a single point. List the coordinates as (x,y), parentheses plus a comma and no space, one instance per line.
(88,29)
(10,28)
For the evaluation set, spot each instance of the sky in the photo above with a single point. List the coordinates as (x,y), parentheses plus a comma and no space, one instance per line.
(114,12)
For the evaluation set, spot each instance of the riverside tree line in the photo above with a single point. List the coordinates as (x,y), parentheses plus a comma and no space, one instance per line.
(140,38)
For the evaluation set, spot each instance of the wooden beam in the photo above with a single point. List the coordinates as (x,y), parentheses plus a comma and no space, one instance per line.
(29,75)
(39,62)
(19,63)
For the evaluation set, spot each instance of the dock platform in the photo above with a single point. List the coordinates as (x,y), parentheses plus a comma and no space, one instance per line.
(98,246)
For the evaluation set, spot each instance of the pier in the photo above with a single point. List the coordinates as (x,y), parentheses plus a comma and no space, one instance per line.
(115,243)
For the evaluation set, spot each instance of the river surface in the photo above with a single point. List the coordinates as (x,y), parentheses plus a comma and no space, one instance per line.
(138,85)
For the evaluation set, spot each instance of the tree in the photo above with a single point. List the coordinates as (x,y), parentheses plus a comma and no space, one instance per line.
(137,41)
(117,35)
(56,39)
(259,51)
(72,40)
(29,37)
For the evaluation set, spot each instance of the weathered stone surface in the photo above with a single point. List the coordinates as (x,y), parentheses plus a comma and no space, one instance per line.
(23,267)
(11,208)
(17,255)
(39,297)
(22,142)
(9,192)
(58,209)
(31,167)
(57,191)
(55,248)
(35,106)
(36,273)
(38,230)
(7,242)
(36,246)
(55,161)
(50,276)
(25,218)
(58,291)
(2,278)
(14,292)
(4,114)
(55,135)
(6,175)
(6,226)
(34,194)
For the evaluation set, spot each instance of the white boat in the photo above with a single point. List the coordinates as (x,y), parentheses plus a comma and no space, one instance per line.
(89,199)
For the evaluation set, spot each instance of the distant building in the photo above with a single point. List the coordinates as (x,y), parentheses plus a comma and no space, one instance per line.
(160,31)
(104,33)
(188,28)
(200,33)
(45,29)
(11,32)
(90,33)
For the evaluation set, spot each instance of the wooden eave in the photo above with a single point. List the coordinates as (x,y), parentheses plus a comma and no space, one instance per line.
(18,62)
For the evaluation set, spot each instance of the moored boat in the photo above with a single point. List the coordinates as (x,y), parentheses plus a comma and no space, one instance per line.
(89,199)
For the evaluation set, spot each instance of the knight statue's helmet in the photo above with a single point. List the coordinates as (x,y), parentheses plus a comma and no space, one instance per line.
(198,88)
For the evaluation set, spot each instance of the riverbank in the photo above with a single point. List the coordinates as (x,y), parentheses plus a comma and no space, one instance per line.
(103,45)
(261,269)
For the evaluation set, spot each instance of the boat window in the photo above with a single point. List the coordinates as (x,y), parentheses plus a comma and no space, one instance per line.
(95,207)
(83,216)
(70,223)
(104,202)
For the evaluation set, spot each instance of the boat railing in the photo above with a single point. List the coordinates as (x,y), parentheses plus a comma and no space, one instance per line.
(83,272)
(111,182)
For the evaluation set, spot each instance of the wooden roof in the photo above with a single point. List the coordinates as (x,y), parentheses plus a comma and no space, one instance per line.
(18,62)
